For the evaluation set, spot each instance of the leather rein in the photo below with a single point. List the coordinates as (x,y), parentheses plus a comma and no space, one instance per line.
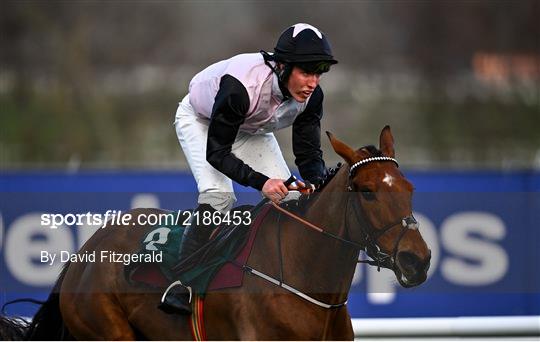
(370,235)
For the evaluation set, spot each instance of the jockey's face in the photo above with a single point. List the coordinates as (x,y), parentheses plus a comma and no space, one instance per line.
(301,83)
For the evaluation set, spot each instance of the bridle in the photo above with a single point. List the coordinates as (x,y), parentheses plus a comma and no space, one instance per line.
(372,234)
(370,237)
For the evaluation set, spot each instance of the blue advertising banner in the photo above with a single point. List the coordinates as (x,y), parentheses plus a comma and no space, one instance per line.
(482,229)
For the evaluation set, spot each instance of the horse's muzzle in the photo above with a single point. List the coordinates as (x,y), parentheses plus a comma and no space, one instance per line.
(411,270)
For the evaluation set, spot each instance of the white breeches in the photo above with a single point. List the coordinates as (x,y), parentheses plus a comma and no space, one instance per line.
(260,152)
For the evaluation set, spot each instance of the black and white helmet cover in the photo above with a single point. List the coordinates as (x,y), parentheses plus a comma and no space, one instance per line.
(302,43)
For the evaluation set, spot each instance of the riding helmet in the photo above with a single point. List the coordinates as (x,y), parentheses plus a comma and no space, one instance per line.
(303,43)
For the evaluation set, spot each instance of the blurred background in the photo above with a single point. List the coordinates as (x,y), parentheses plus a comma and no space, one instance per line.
(95,84)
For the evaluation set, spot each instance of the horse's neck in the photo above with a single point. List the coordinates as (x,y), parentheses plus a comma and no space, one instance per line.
(329,207)
(333,262)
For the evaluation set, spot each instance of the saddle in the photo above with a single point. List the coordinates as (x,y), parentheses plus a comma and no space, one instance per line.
(216,265)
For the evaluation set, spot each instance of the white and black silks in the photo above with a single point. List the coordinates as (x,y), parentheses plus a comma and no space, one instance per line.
(241,94)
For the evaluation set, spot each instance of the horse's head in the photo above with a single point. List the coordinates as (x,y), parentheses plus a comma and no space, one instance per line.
(381,206)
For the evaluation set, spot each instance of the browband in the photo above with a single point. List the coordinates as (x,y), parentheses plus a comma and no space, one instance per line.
(369,160)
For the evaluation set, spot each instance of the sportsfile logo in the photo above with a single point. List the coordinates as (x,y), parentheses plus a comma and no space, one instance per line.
(110,218)
(118,218)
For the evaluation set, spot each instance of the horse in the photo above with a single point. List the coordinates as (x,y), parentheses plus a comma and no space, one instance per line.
(366,205)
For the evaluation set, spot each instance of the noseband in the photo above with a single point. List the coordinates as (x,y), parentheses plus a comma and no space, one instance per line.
(372,234)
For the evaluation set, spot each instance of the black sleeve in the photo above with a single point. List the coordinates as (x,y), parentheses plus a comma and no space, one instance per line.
(229,112)
(307,139)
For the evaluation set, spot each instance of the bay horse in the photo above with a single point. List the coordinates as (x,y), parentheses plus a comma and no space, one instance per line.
(366,205)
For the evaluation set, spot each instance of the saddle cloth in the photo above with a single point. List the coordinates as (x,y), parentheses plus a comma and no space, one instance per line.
(217,264)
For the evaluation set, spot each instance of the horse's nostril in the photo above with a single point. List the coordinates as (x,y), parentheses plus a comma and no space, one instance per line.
(408,260)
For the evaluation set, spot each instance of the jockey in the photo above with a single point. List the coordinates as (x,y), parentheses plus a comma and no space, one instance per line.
(225,124)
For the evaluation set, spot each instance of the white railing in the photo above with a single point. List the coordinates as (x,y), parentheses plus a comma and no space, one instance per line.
(455,326)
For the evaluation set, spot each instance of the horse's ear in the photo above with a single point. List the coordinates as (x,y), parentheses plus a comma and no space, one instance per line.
(342,149)
(386,142)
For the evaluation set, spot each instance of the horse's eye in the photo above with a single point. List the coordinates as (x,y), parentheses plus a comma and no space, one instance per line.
(368,194)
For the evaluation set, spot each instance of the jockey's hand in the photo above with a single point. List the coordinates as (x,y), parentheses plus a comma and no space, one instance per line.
(275,190)
(297,184)
(304,187)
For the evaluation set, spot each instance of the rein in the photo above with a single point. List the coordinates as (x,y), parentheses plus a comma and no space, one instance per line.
(380,259)
(316,228)
(371,235)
